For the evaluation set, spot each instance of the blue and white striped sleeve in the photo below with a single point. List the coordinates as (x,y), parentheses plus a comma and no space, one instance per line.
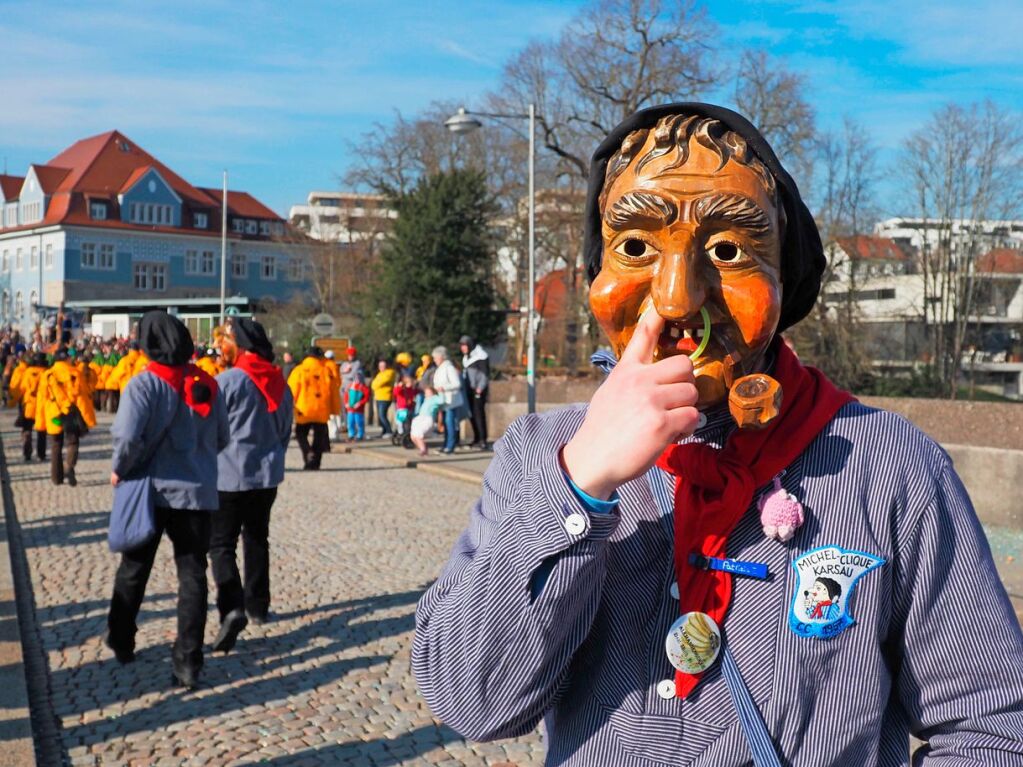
(958,659)
(487,655)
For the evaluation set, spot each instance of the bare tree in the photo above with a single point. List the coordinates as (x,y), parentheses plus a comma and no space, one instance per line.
(772,98)
(964,167)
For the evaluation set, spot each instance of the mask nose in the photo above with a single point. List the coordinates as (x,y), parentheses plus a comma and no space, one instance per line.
(678,291)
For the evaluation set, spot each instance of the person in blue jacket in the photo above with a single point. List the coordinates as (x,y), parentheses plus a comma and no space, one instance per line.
(169,426)
(259,409)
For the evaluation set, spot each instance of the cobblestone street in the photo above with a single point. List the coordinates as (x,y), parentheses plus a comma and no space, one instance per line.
(327,682)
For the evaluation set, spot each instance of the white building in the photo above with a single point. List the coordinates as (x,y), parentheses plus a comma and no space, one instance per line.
(345,217)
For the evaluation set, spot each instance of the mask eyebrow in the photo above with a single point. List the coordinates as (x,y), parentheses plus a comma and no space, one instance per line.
(734,209)
(640,210)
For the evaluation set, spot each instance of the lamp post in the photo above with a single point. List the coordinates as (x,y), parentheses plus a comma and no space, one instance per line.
(464,121)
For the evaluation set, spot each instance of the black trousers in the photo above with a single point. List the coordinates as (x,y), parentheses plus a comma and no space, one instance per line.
(59,466)
(478,415)
(189,531)
(245,513)
(26,444)
(312,451)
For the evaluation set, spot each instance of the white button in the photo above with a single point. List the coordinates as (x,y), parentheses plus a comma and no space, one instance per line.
(674,590)
(702,421)
(575,523)
(666,689)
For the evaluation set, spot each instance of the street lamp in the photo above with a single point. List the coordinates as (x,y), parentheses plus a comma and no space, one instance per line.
(464,121)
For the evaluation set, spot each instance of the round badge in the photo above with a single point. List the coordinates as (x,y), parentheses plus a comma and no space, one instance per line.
(693,643)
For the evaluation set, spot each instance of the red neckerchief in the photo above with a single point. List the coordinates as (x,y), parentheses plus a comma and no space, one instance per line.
(182,378)
(714,488)
(265,375)
(818,612)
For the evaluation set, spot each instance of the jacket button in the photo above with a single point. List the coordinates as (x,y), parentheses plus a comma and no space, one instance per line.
(575,523)
(666,688)
(674,590)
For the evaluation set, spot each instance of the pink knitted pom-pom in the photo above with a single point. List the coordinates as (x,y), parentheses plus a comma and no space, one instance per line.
(780,513)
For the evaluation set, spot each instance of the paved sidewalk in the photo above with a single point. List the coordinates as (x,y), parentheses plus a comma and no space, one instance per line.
(327,683)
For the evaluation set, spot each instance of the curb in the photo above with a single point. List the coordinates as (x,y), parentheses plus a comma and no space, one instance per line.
(16,620)
(430,467)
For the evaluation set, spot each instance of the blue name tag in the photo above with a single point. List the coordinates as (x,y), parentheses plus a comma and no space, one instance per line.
(733,566)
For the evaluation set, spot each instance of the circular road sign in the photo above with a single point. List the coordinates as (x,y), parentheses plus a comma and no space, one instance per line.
(323,324)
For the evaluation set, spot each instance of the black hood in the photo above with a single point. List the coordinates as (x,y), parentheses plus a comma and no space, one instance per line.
(164,338)
(802,255)
(250,336)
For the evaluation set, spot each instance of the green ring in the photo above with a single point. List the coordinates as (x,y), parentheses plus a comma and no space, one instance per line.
(706,335)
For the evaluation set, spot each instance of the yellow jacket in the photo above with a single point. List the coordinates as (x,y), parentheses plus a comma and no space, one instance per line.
(90,375)
(60,387)
(12,387)
(140,364)
(209,365)
(122,372)
(383,385)
(316,396)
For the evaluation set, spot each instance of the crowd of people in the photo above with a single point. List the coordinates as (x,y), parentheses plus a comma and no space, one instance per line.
(206,429)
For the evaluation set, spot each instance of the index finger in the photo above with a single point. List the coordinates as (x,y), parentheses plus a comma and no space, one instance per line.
(644,338)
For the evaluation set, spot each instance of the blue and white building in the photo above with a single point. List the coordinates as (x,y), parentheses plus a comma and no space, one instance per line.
(106,228)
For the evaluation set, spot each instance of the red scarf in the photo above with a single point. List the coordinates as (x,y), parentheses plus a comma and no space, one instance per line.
(714,487)
(265,375)
(183,378)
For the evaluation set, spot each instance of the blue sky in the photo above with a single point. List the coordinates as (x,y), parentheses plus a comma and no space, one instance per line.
(275,91)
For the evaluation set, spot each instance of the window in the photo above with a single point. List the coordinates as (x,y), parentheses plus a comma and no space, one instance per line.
(98,210)
(19,260)
(250,226)
(31,211)
(106,257)
(150,277)
(208,265)
(269,271)
(5,264)
(201,220)
(264,228)
(88,255)
(238,225)
(11,215)
(133,212)
(296,270)
(47,257)
(239,265)
(33,301)
(191,262)
(19,305)
(5,306)
(278,228)
(33,258)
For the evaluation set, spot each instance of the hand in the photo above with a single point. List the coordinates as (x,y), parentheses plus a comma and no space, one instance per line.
(114,479)
(641,408)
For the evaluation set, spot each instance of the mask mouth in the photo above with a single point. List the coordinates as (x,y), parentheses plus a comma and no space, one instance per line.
(689,336)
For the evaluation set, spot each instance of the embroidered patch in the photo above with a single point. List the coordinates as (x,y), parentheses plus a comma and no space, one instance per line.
(827,576)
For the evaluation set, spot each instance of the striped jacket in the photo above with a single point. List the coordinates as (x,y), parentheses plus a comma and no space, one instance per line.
(935,649)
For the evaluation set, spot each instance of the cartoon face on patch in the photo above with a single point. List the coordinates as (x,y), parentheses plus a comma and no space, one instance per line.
(826,579)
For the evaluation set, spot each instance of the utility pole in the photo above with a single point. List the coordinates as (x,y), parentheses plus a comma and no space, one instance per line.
(223,254)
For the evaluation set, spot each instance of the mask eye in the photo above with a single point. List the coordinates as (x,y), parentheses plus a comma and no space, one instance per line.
(636,249)
(726,252)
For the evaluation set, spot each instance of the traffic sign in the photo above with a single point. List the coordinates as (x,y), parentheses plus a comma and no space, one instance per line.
(323,325)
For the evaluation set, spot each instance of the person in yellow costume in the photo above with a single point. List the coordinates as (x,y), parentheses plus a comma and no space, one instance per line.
(19,369)
(316,396)
(64,413)
(383,394)
(208,363)
(125,368)
(92,371)
(23,394)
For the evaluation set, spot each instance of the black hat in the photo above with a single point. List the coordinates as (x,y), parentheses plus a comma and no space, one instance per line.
(250,336)
(314,351)
(164,338)
(467,340)
(802,255)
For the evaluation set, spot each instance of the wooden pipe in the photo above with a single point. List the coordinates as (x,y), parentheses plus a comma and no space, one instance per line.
(754,400)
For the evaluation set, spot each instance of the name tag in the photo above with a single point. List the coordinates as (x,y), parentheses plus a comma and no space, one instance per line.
(734,566)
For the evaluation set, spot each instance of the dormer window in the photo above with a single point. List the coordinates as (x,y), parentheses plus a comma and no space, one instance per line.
(250,226)
(238,225)
(98,211)
(264,228)
(201,220)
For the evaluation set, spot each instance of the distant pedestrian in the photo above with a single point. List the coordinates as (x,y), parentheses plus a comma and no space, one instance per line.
(170,425)
(405,393)
(383,394)
(335,420)
(315,399)
(356,399)
(250,468)
(424,422)
(448,383)
(424,378)
(64,413)
(350,369)
(476,372)
(287,365)
(24,392)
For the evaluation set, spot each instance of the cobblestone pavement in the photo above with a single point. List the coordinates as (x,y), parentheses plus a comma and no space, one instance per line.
(327,682)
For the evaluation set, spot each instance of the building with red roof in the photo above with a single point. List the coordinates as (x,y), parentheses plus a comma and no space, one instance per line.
(105,227)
